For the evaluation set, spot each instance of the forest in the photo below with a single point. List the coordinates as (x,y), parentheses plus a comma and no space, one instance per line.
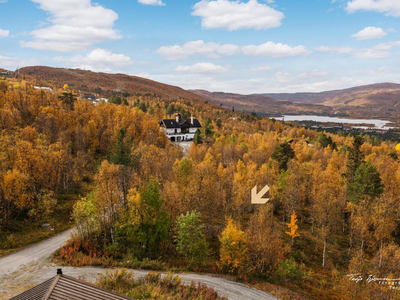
(138,201)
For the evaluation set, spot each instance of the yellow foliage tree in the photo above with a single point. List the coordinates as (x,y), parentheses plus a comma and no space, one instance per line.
(233,251)
(293,227)
(16,194)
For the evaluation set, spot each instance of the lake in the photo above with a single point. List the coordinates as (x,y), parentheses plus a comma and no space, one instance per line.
(379,124)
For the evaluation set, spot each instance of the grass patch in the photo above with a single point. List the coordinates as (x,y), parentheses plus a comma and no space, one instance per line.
(155,286)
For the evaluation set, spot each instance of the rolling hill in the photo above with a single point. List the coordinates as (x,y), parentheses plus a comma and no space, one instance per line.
(379,94)
(381,100)
(102,83)
(262,104)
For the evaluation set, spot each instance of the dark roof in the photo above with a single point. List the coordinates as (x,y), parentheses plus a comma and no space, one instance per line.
(36,293)
(172,123)
(88,96)
(66,287)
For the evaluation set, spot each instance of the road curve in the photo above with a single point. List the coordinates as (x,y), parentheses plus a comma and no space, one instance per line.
(31,266)
(13,262)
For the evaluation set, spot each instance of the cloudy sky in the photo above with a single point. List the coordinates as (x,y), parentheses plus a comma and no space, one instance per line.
(242,46)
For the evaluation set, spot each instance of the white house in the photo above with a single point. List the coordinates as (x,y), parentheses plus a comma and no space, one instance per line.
(43,88)
(178,129)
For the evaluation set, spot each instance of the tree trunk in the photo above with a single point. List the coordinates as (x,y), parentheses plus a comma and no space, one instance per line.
(350,244)
(323,255)
(381,255)
(362,242)
(112,234)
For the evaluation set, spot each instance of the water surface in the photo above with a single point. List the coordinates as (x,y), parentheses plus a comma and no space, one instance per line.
(379,124)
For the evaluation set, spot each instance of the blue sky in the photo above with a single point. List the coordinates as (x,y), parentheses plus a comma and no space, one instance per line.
(249,46)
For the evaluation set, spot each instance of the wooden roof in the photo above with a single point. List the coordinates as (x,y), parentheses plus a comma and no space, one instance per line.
(62,287)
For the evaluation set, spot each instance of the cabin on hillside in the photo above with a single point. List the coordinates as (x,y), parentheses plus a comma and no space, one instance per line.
(7,74)
(178,129)
(63,287)
(91,97)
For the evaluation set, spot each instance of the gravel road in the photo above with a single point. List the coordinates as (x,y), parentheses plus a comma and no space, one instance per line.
(12,262)
(185,146)
(31,266)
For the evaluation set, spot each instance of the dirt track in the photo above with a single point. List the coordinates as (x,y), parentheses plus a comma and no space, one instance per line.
(31,266)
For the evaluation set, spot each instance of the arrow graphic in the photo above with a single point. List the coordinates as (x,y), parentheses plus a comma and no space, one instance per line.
(257,198)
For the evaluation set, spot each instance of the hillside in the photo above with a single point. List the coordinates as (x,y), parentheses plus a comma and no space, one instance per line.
(261,103)
(338,96)
(102,83)
(375,100)
(381,100)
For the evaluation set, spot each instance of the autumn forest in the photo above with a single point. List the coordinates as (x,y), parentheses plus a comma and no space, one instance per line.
(137,200)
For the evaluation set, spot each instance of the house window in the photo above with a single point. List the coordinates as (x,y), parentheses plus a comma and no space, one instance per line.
(176,130)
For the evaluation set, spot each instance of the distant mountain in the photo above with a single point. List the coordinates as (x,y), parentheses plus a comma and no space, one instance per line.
(369,101)
(379,94)
(102,83)
(261,103)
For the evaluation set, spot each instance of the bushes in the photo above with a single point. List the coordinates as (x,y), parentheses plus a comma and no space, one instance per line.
(155,286)
(289,270)
(83,253)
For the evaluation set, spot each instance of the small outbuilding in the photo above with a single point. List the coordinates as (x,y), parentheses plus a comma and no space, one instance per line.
(66,287)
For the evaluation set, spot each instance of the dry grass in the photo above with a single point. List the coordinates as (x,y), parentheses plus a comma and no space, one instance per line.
(155,286)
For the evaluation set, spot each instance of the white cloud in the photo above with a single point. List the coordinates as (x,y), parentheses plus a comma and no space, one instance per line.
(380,51)
(272,49)
(234,15)
(75,26)
(215,50)
(313,74)
(380,71)
(387,46)
(204,68)
(4,33)
(98,60)
(371,54)
(152,2)
(336,50)
(282,75)
(15,62)
(196,83)
(303,76)
(389,7)
(262,68)
(211,50)
(369,33)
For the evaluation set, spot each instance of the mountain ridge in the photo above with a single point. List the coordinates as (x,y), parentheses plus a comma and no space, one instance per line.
(105,83)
